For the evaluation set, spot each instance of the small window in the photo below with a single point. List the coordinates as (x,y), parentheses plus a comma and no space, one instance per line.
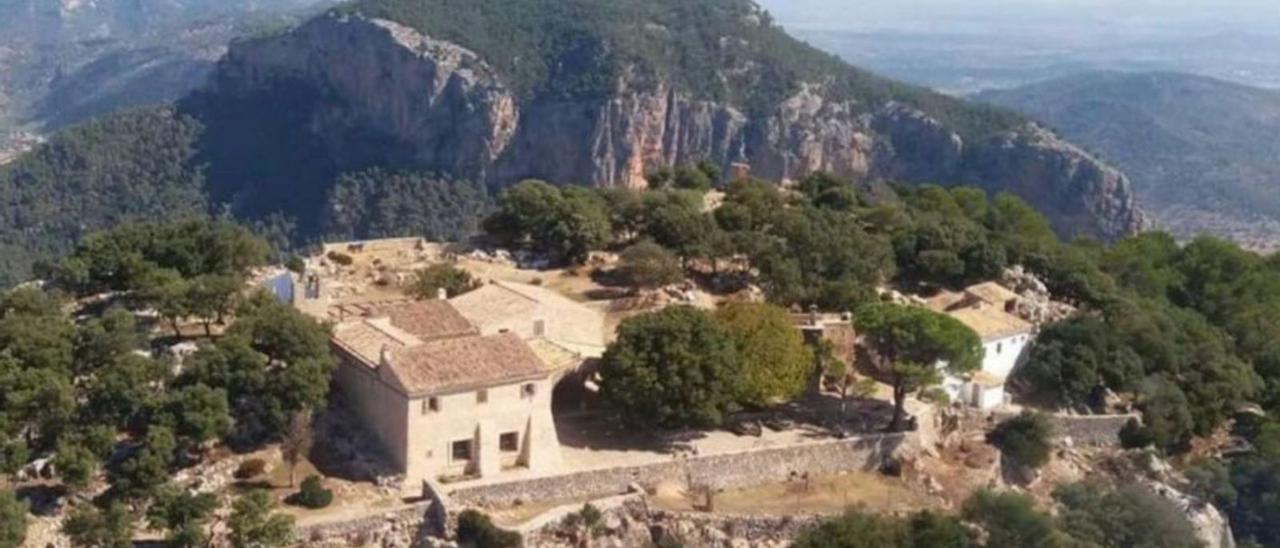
(539,328)
(509,442)
(529,390)
(430,405)
(482,396)
(999,348)
(460,450)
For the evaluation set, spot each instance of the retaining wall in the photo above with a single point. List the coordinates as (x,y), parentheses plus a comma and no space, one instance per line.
(1088,430)
(726,471)
(1095,430)
(402,523)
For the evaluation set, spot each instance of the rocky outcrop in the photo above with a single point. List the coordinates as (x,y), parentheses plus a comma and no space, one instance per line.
(433,105)
(638,523)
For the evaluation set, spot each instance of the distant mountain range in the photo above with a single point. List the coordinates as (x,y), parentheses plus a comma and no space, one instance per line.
(63,61)
(1203,154)
(979,55)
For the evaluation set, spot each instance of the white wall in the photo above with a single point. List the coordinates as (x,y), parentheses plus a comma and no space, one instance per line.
(1003,355)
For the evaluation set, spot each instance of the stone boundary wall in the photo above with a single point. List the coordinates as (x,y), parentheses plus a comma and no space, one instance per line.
(726,471)
(560,513)
(440,511)
(1096,430)
(1087,430)
(399,522)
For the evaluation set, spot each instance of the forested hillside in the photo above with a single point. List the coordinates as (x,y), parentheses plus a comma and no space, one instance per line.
(1186,334)
(62,62)
(1200,152)
(130,165)
(142,164)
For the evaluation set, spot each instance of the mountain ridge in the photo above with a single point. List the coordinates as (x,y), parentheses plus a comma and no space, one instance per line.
(1200,151)
(370,91)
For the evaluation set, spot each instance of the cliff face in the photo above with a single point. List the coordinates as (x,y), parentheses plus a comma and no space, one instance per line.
(434,105)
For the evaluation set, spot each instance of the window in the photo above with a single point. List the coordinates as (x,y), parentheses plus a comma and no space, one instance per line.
(529,390)
(460,450)
(430,405)
(999,348)
(539,328)
(509,442)
(482,396)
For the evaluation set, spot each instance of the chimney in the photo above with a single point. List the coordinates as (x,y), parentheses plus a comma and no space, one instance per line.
(384,357)
(813,315)
(442,294)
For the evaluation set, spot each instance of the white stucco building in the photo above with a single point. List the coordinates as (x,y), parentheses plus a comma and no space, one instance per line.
(988,309)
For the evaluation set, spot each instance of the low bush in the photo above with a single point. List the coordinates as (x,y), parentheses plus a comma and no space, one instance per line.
(312,494)
(1026,439)
(476,530)
(340,259)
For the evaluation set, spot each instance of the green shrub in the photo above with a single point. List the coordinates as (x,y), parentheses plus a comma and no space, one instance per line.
(340,259)
(590,515)
(1026,439)
(935,395)
(476,530)
(312,494)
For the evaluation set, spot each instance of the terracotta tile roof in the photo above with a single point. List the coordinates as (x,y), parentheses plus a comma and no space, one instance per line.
(496,301)
(993,293)
(517,307)
(991,323)
(428,320)
(364,340)
(467,362)
(983,308)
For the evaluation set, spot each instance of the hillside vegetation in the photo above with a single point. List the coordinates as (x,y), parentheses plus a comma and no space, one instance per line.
(1201,152)
(130,165)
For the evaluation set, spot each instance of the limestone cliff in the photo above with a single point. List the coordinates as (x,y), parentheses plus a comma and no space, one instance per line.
(435,105)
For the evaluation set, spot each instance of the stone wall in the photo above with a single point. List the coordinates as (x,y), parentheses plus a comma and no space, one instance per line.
(395,527)
(727,471)
(1089,430)
(1096,430)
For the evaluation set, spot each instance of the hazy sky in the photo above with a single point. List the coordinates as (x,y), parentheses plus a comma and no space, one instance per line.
(871,14)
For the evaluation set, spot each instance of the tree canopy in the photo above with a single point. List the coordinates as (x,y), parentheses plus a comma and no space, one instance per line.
(1026,439)
(13,520)
(913,346)
(777,365)
(673,368)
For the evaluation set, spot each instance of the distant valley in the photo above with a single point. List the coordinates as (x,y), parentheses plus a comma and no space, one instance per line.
(1203,154)
(64,61)
(967,54)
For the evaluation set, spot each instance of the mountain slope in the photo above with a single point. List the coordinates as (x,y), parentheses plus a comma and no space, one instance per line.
(64,61)
(1202,153)
(600,93)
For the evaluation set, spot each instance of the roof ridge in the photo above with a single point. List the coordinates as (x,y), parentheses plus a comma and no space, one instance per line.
(509,286)
(384,326)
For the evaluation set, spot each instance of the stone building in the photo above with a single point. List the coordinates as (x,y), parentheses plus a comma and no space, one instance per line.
(446,400)
(990,310)
(534,312)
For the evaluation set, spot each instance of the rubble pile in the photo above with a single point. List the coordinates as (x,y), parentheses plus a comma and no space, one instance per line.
(636,523)
(1036,304)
